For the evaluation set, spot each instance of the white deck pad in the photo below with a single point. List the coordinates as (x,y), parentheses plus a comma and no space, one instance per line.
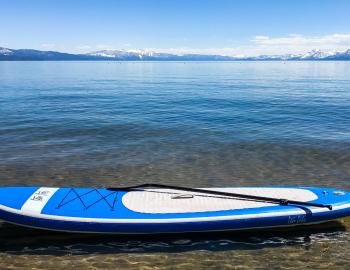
(167,200)
(38,199)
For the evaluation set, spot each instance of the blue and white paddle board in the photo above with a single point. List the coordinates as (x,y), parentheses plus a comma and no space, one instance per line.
(151,211)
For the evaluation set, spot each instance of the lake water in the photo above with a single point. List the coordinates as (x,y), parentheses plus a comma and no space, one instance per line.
(206,124)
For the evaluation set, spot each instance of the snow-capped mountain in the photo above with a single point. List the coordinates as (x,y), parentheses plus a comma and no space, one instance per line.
(146,55)
(7,54)
(344,55)
(5,51)
(317,54)
(314,55)
(130,54)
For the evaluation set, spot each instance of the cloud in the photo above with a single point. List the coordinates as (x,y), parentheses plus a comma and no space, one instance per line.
(257,45)
(83,47)
(295,43)
(89,48)
(299,40)
(260,38)
(263,44)
(48,45)
(104,47)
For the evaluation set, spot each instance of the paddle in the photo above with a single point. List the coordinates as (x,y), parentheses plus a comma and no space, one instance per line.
(227,194)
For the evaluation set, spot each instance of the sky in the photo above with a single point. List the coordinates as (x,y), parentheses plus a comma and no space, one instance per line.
(226,27)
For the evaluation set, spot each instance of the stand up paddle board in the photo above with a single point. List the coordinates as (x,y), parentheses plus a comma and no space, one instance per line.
(152,209)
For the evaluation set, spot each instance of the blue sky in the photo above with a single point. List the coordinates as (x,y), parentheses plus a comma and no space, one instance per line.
(226,27)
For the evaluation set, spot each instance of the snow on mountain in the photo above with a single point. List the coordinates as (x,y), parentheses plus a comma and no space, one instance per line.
(117,54)
(343,55)
(317,54)
(130,54)
(148,55)
(5,51)
(312,55)
(102,53)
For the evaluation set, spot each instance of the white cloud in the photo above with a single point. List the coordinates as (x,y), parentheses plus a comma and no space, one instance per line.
(89,48)
(299,40)
(261,38)
(83,48)
(104,47)
(263,44)
(258,45)
(48,45)
(295,43)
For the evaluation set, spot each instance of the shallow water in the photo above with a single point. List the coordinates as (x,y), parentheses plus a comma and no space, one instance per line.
(197,124)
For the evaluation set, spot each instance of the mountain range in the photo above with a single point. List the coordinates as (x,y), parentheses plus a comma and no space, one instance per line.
(145,55)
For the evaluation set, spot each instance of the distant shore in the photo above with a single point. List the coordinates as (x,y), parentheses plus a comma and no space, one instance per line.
(7,54)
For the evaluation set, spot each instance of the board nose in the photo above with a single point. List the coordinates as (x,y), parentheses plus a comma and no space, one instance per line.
(2,191)
(15,197)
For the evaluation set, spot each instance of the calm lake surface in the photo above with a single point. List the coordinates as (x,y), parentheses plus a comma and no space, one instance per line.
(205,124)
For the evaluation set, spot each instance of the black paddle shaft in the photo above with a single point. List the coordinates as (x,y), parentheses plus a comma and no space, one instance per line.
(226,194)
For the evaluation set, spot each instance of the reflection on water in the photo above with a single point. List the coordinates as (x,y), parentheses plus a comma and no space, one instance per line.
(313,247)
(199,124)
(18,240)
